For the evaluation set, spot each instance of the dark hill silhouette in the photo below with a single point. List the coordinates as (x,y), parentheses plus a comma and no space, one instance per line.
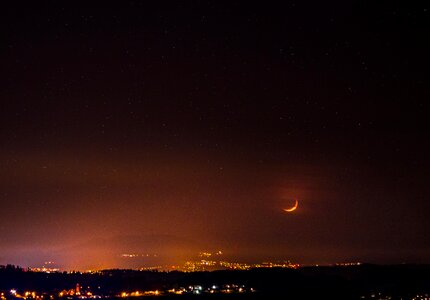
(335,282)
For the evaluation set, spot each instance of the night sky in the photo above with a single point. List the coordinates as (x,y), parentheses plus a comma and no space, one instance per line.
(173,127)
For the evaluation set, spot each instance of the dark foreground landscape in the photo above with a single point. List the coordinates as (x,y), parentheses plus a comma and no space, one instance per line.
(352,282)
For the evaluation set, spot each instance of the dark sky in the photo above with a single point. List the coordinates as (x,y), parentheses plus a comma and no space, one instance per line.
(173,127)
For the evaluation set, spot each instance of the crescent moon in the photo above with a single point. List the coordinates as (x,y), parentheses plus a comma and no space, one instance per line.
(292,208)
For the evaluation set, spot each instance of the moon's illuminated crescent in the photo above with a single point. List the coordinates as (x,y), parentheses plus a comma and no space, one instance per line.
(292,208)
